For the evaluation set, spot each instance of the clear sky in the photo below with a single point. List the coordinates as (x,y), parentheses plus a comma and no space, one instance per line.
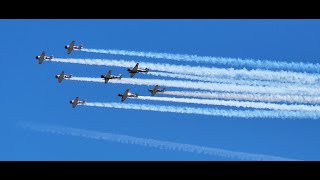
(30,93)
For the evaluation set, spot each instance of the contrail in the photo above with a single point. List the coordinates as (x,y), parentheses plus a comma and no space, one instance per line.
(228,80)
(152,143)
(282,76)
(211,111)
(245,104)
(249,97)
(237,62)
(205,86)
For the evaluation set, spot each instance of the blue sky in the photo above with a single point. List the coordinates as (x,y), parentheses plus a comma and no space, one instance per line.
(30,93)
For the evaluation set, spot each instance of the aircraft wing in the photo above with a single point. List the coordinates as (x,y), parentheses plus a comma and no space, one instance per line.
(75,102)
(155,87)
(108,75)
(154,91)
(125,95)
(70,48)
(72,44)
(135,68)
(41,59)
(61,76)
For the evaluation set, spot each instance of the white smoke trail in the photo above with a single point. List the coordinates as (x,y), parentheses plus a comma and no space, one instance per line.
(249,97)
(206,86)
(237,62)
(166,145)
(246,104)
(229,80)
(210,111)
(282,76)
